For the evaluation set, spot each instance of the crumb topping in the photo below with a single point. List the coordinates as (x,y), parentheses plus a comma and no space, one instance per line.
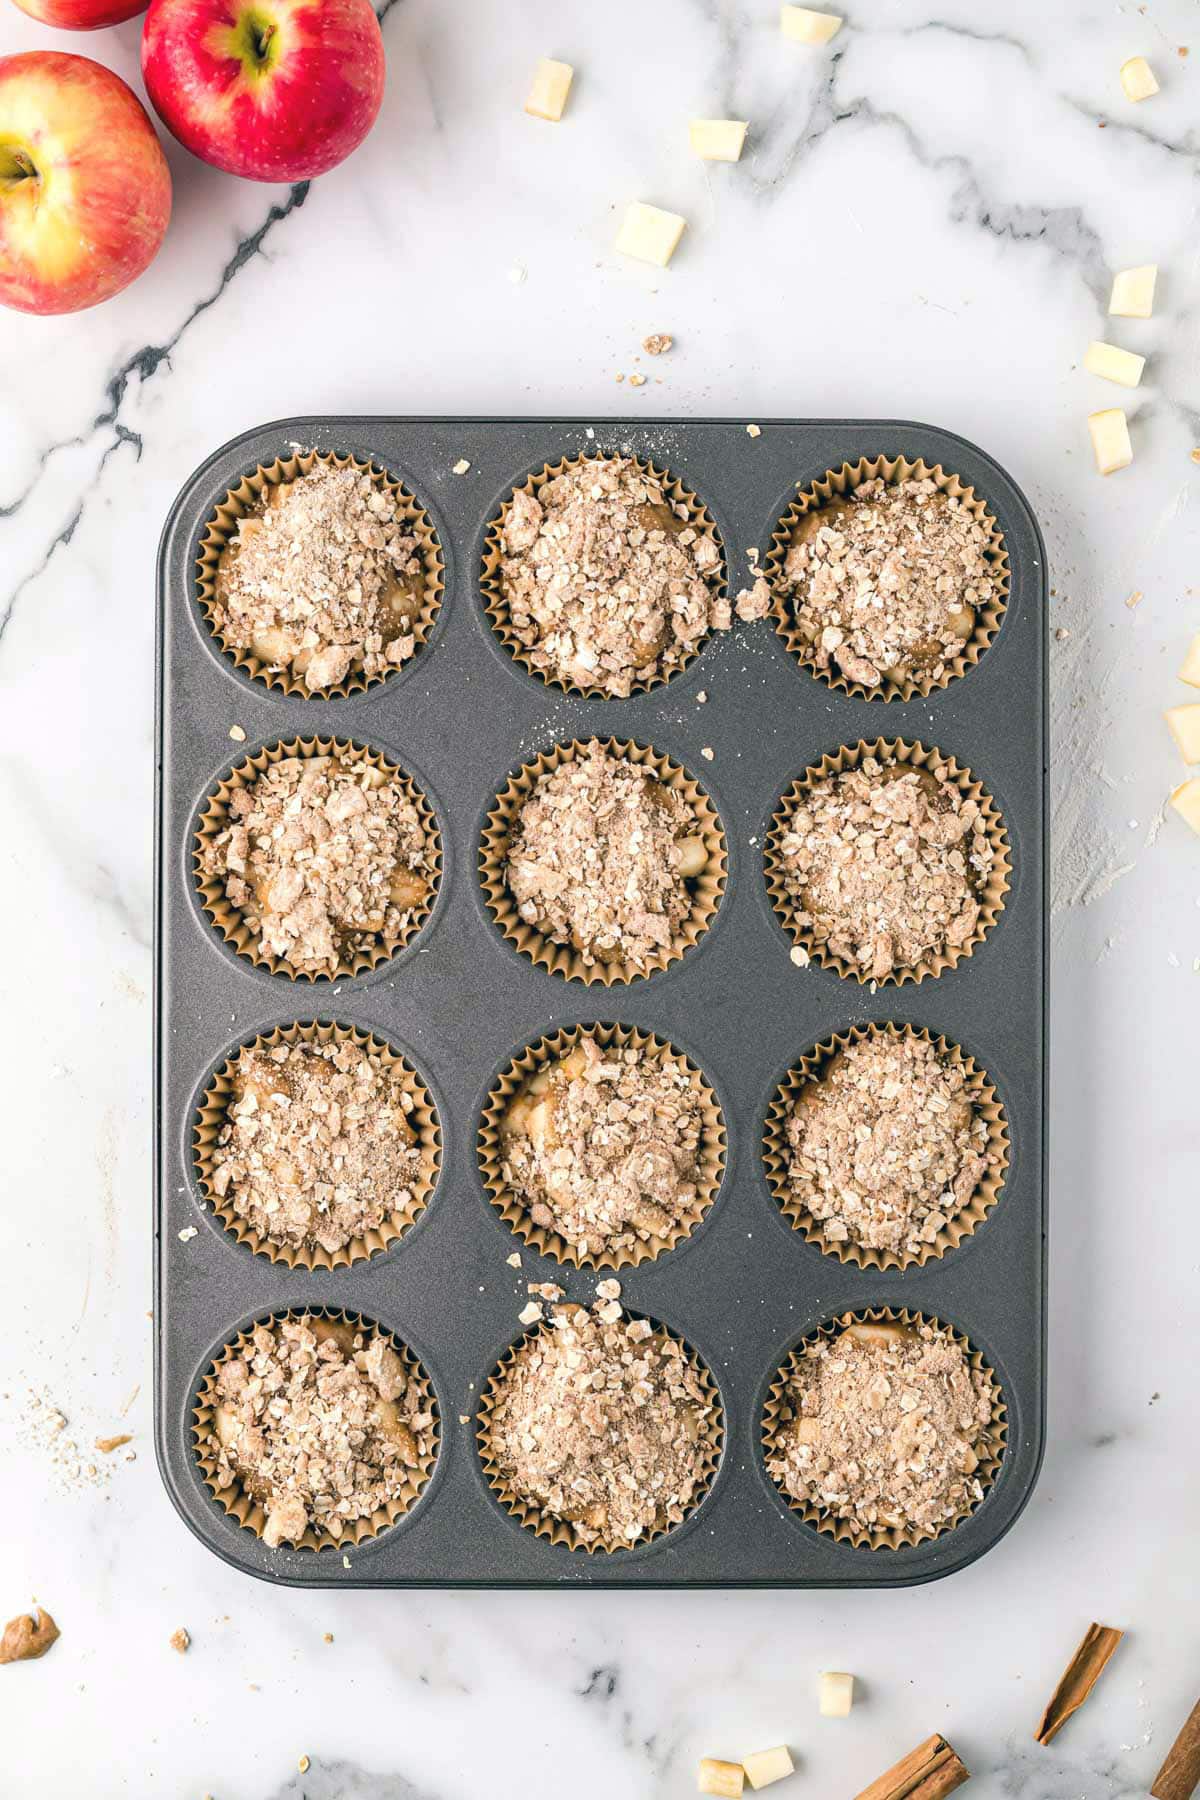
(885,1425)
(601,855)
(318,1145)
(607,579)
(320,1423)
(885,863)
(603,1423)
(323,856)
(885,1144)
(323,578)
(602,1146)
(888,581)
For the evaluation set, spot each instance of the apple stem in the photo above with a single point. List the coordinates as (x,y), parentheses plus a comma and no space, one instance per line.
(261,36)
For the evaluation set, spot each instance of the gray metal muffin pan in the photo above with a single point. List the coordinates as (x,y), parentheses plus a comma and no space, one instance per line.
(460,1000)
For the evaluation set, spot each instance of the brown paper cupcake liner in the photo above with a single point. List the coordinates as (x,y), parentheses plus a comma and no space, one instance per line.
(232,925)
(836,484)
(240,501)
(243,1506)
(492,585)
(777,1151)
(991,899)
(515,1211)
(777,1412)
(560,959)
(213,1111)
(563,1532)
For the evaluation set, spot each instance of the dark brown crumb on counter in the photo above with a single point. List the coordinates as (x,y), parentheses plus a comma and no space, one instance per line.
(323,578)
(608,580)
(889,581)
(886,1144)
(602,1146)
(324,856)
(602,1423)
(601,855)
(885,863)
(884,1425)
(27,1637)
(318,1145)
(321,1423)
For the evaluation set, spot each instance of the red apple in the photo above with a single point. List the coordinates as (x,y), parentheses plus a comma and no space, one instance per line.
(275,90)
(85,193)
(81,15)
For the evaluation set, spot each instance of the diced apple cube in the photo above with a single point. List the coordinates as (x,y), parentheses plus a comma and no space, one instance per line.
(1183,723)
(650,234)
(767,1766)
(551,85)
(1114,364)
(1110,440)
(716,1777)
(717,140)
(804,26)
(1137,78)
(1190,671)
(1186,801)
(1133,292)
(837,1694)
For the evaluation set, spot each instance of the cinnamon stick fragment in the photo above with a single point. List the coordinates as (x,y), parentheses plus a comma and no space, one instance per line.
(1179,1776)
(1082,1673)
(929,1772)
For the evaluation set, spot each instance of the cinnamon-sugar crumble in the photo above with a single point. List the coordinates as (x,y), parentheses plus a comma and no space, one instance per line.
(321,1423)
(603,1423)
(886,1145)
(318,1145)
(323,577)
(884,1425)
(885,862)
(323,856)
(601,855)
(889,581)
(602,1146)
(608,580)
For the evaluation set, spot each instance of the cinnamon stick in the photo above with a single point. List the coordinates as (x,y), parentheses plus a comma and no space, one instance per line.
(929,1772)
(1179,1776)
(1082,1673)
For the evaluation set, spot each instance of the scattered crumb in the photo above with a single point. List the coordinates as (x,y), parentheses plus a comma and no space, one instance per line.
(237,733)
(26,1638)
(707,753)
(702,697)
(108,1444)
(464,1418)
(754,431)
(514,1261)
(637,381)
(546,1290)
(800,956)
(658,343)
(609,1289)
(187,1234)
(304,1765)
(461,466)
(529,1315)
(180,1640)
(328,1638)
(1196,456)
(1062,634)
(1134,599)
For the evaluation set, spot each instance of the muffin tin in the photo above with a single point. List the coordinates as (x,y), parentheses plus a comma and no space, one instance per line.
(460,1001)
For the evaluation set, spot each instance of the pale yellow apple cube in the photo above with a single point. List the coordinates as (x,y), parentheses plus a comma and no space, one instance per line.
(1137,78)
(1186,801)
(768,1766)
(1183,722)
(650,234)
(1133,292)
(717,140)
(1114,364)
(1190,671)
(716,1777)
(804,26)
(551,85)
(1110,440)
(837,1694)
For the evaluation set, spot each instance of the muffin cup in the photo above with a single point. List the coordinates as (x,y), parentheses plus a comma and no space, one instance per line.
(213,1112)
(991,898)
(777,1151)
(232,925)
(837,484)
(241,501)
(560,959)
(237,1500)
(777,1413)
(492,585)
(561,1531)
(515,1212)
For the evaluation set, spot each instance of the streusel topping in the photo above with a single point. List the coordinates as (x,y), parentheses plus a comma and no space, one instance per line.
(320,1423)
(885,1425)
(322,578)
(601,856)
(604,1423)
(886,863)
(318,1145)
(886,1144)
(889,581)
(607,579)
(602,1146)
(323,856)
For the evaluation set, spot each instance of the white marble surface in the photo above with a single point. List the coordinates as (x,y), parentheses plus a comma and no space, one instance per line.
(924,225)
